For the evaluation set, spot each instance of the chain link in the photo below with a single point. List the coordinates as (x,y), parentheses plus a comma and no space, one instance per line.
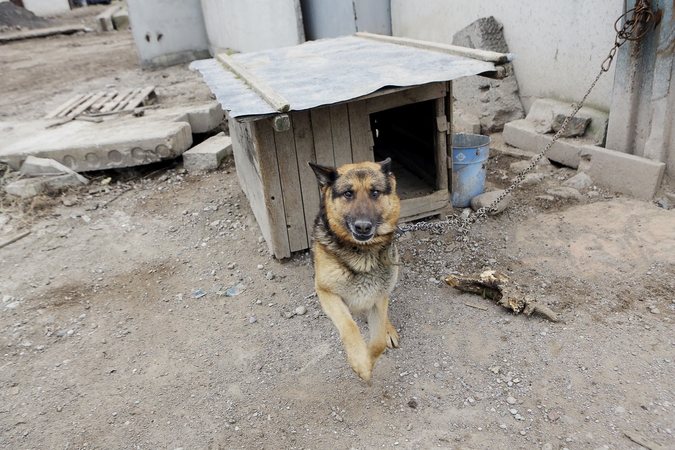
(641,14)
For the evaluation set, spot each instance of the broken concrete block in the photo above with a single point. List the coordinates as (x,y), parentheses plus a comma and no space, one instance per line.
(495,102)
(522,134)
(464,122)
(575,127)
(115,142)
(104,20)
(47,167)
(533,178)
(486,199)
(120,19)
(519,166)
(579,182)
(548,109)
(201,117)
(30,187)
(208,154)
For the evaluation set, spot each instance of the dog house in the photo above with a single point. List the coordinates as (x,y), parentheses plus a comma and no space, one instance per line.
(336,101)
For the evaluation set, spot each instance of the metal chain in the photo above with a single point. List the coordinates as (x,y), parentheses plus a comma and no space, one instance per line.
(641,14)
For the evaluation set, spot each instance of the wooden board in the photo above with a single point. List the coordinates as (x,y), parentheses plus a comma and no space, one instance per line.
(323,139)
(413,208)
(339,122)
(359,128)
(304,148)
(440,145)
(263,135)
(294,212)
(415,95)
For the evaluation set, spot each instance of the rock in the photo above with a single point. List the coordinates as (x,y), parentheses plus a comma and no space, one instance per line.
(13,305)
(260,267)
(519,166)
(7,299)
(663,204)
(252,320)
(576,126)
(30,187)
(655,311)
(547,446)
(511,400)
(579,182)
(270,275)
(301,310)
(533,178)
(553,416)
(487,198)
(565,192)
(548,198)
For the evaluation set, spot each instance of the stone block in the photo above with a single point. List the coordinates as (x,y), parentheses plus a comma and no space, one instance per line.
(546,109)
(120,19)
(209,154)
(624,173)
(105,20)
(30,187)
(43,166)
(522,134)
(201,117)
(495,102)
(464,122)
(575,127)
(486,199)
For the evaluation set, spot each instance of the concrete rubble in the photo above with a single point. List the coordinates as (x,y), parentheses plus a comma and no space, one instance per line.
(620,172)
(494,102)
(116,142)
(209,154)
(43,175)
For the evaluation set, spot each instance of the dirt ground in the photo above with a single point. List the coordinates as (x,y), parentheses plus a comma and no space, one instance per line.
(107,341)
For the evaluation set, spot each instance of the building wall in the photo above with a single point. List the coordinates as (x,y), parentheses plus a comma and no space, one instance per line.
(252,25)
(559,44)
(46,7)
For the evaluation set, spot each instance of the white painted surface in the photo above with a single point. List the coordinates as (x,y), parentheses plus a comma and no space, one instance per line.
(559,44)
(168,32)
(335,18)
(252,25)
(46,7)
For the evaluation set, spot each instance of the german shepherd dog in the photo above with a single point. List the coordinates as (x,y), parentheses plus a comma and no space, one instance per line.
(355,257)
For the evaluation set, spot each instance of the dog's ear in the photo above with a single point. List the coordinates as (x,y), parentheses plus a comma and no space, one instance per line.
(386,166)
(324,174)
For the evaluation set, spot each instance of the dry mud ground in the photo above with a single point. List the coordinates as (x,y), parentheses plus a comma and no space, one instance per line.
(108,347)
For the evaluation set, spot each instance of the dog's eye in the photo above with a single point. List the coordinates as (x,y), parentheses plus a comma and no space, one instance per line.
(348,195)
(376,193)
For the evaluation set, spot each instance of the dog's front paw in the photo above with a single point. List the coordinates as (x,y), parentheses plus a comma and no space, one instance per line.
(392,336)
(362,364)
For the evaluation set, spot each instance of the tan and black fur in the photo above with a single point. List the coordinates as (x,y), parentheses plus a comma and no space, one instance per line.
(353,253)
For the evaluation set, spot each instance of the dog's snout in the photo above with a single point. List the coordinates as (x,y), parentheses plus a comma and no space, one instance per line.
(363,226)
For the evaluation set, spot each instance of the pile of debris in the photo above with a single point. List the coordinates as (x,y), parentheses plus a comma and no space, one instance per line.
(13,17)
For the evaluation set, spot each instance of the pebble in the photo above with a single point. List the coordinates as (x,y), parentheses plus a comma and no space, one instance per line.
(511,400)
(655,311)
(579,182)
(12,305)
(82,317)
(252,320)
(486,199)
(270,275)
(301,310)
(7,299)
(260,267)
(70,332)
(513,411)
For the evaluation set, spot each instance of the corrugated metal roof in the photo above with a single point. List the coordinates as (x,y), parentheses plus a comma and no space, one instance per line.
(330,71)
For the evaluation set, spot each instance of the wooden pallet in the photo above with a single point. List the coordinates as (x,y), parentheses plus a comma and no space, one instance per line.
(104,102)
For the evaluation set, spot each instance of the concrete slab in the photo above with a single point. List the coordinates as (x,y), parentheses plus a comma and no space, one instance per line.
(616,171)
(201,117)
(120,19)
(104,20)
(209,154)
(82,146)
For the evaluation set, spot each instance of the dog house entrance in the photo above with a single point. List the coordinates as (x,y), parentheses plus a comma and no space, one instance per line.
(406,134)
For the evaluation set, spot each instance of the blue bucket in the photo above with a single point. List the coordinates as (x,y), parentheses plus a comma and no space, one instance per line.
(469,164)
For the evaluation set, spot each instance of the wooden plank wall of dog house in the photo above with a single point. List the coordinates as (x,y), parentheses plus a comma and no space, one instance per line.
(304,148)
(339,123)
(269,173)
(415,95)
(359,129)
(248,171)
(323,137)
(440,145)
(290,187)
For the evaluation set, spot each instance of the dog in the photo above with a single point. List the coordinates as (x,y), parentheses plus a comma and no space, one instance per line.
(355,257)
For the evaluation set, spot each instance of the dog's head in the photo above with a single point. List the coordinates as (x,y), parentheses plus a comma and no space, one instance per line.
(360,200)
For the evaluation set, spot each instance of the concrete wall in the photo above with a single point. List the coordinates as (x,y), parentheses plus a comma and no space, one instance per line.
(252,25)
(343,17)
(559,44)
(46,7)
(168,32)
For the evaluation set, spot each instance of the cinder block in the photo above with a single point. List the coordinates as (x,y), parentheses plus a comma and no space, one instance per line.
(624,173)
(105,20)
(120,19)
(201,117)
(522,134)
(209,154)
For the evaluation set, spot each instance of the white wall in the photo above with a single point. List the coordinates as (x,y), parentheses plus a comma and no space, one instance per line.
(46,7)
(252,25)
(168,32)
(559,44)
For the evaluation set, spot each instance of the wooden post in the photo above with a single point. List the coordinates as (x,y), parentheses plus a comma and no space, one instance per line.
(449,105)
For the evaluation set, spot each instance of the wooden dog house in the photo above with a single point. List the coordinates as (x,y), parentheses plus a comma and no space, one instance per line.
(333,102)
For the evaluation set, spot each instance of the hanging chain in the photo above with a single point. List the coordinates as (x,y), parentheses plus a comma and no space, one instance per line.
(630,31)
